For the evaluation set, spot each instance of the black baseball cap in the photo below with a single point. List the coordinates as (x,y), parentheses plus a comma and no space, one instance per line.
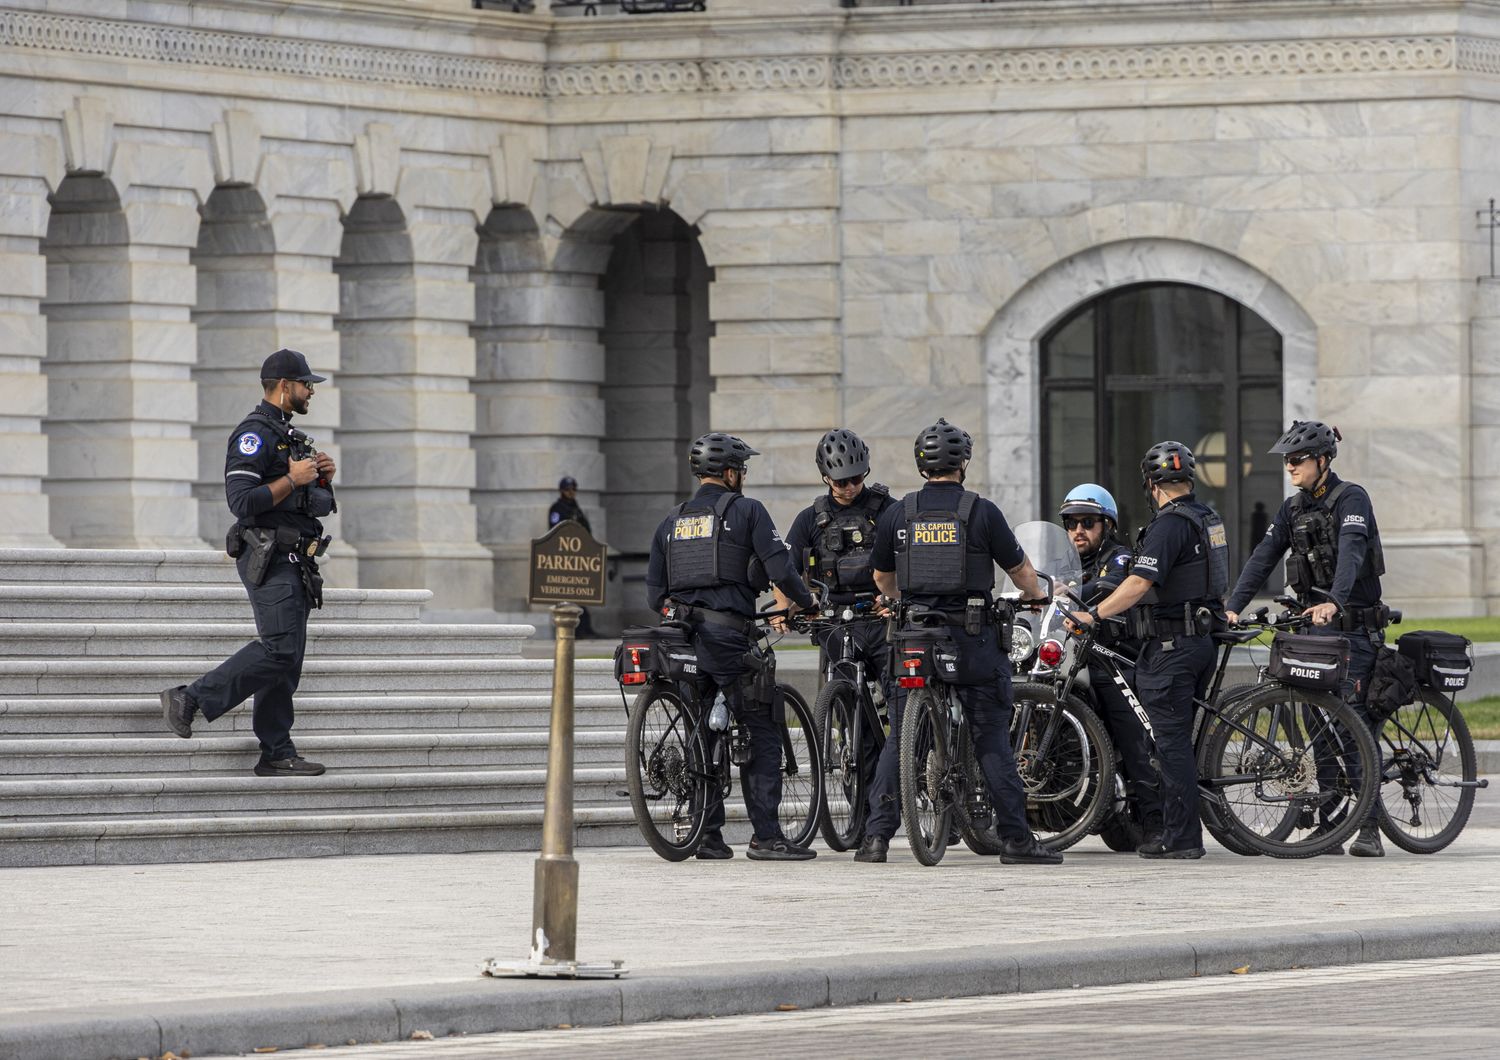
(289,364)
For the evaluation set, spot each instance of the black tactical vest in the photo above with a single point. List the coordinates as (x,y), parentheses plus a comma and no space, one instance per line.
(700,555)
(1204,578)
(937,556)
(313,500)
(842,539)
(1314,557)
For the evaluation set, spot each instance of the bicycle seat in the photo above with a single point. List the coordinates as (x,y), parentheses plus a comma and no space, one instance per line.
(1237,636)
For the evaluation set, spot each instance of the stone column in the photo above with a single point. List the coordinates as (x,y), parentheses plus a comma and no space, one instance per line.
(407,304)
(121,343)
(29,167)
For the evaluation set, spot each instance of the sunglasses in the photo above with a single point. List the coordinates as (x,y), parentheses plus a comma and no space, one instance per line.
(852,480)
(1297,459)
(1073,522)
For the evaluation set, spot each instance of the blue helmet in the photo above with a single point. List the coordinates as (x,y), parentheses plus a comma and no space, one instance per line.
(1090,499)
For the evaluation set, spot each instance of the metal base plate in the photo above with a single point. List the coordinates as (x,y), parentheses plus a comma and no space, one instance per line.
(544,969)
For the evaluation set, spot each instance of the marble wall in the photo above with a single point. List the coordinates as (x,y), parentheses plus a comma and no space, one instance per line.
(882,209)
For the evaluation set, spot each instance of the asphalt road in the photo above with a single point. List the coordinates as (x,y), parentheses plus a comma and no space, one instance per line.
(1432,1009)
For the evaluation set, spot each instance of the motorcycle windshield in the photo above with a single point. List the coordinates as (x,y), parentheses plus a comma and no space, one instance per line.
(1051,552)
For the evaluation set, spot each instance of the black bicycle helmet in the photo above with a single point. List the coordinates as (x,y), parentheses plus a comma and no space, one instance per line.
(1308,436)
(842,455)
(714,453)
(942,448)
(1167,462)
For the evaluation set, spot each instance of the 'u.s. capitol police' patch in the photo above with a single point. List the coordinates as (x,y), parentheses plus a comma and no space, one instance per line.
(249,443)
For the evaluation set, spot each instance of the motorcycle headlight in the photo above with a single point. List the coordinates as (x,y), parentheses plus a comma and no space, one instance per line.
(1021,643)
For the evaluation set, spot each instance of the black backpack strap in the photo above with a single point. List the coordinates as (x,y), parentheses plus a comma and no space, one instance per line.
(966,506)
(909,504)
(722,504)
(1331,497)
(822,510)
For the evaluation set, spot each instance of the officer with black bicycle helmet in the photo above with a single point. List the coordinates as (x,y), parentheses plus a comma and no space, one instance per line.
(1334,566)
(937,550)
(710,558)
(1090,516)
(1173,598)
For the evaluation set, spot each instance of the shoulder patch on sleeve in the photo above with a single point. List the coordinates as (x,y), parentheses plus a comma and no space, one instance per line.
(249,443)
(1122,560)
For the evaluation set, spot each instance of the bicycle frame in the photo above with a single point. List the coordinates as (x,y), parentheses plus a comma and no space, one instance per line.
(850,667)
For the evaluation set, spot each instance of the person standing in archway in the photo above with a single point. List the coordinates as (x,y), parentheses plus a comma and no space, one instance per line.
(566,506)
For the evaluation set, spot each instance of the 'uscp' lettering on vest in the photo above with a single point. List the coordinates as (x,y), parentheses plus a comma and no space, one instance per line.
(693,527)
(944,533)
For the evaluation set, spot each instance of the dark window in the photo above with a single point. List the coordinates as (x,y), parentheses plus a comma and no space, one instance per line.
(1153,362)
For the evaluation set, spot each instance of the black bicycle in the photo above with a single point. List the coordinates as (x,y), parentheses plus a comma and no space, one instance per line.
(1284,771)
(677,766)
(848,714)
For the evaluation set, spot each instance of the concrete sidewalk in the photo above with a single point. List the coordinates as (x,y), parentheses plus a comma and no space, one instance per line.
(103,961)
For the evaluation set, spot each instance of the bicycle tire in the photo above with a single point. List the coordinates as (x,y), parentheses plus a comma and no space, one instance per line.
(976,824)
(802,775)
(666,768)
(926,811)
(1208,810)
(1069,790)
(1317,772)
(1412,744)
(842,821)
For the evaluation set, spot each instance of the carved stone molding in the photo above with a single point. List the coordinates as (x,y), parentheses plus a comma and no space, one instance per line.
(280,55)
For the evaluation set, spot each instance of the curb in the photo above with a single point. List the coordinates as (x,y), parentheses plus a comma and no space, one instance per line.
(235,1025)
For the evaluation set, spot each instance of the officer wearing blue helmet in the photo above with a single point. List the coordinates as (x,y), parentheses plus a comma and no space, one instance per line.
(1091,517)
(1174,597)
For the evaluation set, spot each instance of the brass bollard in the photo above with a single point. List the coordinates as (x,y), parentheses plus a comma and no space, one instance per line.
(554,900)
(554,908)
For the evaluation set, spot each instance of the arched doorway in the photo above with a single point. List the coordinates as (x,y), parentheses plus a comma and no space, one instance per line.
(1152,361)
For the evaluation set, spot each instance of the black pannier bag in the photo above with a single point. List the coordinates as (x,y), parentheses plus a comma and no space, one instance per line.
(1306,661)
(1442,660)
(922,654)
(649,652)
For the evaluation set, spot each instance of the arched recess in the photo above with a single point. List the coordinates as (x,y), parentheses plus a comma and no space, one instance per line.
(592,361)
(1012,344)
(235,316)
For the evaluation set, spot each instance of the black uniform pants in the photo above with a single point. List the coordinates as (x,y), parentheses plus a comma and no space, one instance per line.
(1363,647)
(721,658)
(984,694)
(1133,745)
(269,669)
(1167,677)
(867,643)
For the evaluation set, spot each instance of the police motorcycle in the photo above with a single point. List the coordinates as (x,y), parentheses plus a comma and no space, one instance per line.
(1063,750)
(681,745)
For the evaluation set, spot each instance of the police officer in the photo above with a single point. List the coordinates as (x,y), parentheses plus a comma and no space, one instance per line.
(1334,569)
(1090,516)
(277,488)
(832,539)
(944,575)
(709,560)
(1174,592)
(566,506)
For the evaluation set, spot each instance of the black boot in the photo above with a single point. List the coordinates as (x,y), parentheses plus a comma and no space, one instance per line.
(1368,844)
(1028,851)
(872,849)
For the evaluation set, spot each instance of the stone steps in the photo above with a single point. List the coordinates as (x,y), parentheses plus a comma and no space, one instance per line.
(190,603)
(435,735)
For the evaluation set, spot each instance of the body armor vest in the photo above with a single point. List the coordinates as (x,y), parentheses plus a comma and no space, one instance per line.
(1314,557)
(1098,565)
(842,541)
(700,555)
(938,557)
(1204,578)
(312,500)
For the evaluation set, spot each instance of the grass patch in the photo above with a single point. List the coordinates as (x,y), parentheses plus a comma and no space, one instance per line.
(1483,716)
(1476,629)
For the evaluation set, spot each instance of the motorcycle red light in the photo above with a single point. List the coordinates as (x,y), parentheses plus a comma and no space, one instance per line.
(1051,653)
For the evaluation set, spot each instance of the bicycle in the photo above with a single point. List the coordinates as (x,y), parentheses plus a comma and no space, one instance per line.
(1427,752)
(678,767)
(1275,760)
(941,783)
(848,717)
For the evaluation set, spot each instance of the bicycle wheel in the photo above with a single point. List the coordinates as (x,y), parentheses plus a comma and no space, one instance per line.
(1292,772)
(1428,752)
(801,771)
(666,771)
(974,809)
(842,821)
(926,810)
(1208,808)
(1069,783)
